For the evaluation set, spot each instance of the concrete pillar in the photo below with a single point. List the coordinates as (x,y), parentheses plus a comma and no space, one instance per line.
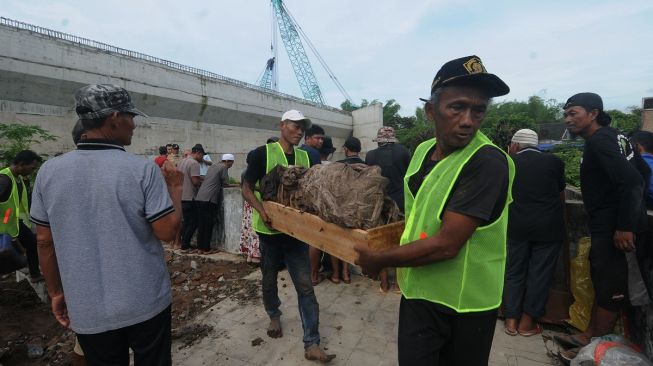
(647,114)
(366,122)
(233,219)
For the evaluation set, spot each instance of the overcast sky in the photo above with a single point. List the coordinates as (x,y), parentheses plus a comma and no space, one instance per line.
(382,49)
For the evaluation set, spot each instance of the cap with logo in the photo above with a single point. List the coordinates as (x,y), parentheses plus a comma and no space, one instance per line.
(228,157)
(468,71)
(589,101)
(296,116)
(353,144)
(385,134)
(100,100)
(525,137)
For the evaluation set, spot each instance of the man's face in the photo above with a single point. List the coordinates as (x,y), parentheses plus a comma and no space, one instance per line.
(315,141)
(124,128)
(292,132)
(169,149)
(579,120)
(458,115)
(199,156)
(27,169)
(228,163)
(175,151)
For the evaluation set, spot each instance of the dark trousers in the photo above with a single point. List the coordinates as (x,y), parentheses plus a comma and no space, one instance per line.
(150,340)
(207,213)
(28,240)
(529,272)
(432,335)
(189,224)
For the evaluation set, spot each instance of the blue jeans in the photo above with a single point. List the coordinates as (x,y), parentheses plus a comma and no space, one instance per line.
(277,250)
(529,271)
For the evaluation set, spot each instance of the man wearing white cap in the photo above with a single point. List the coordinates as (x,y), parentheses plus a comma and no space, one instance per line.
(536,230)
(208,200)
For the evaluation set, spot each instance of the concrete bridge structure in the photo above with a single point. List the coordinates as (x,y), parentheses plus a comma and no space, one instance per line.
(40,69)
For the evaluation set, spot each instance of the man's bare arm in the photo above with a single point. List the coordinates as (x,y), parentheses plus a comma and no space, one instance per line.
(50,269)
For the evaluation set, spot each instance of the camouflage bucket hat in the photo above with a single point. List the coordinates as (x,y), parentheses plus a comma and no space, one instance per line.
(100,100)
(385,134)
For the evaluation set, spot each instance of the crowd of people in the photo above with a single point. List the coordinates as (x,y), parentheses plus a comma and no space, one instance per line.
(484,226)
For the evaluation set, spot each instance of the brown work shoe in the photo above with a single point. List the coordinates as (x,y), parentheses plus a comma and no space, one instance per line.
(315,353)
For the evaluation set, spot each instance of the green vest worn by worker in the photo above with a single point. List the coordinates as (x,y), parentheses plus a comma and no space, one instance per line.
(14,208)
(473,280)
(275,156)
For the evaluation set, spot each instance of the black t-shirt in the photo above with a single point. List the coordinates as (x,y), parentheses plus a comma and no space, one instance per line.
(352,160)
(537,212)
(393,159)
(612,186)
(481,189)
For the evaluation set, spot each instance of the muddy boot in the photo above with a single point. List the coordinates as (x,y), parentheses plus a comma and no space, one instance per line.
(315,353)
(274,329)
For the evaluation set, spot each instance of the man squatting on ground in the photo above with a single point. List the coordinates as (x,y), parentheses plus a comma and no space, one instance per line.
(613,196)
(109,285)
(453,250)
(278,249)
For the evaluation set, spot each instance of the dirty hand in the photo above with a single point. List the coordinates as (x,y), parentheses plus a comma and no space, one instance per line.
(368,260)
(624,240)
(266,219)
(60,310)
(172,176)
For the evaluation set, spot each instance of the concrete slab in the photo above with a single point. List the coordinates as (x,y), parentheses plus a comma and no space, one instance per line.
(357,322)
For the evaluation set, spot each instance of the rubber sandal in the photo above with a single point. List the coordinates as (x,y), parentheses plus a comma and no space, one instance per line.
(568,355)
(511,332)
(334,281)
(529,333)
(568,341)
(347,281)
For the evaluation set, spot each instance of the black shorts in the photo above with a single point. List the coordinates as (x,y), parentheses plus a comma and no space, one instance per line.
(609,271)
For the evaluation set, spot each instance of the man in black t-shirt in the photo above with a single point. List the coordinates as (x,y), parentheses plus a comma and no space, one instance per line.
(535,233)
(612,191)
(279,249)
(393,158)
(352,148)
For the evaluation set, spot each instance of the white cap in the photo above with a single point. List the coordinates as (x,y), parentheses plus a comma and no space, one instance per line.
(227,157)
(296,116)
(525,137)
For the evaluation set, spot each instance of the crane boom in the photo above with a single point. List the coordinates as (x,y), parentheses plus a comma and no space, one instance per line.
(297,55)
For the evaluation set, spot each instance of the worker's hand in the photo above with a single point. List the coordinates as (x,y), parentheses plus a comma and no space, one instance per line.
(266,219)
(368,260)
(624,240)
(173,177)
(60,310)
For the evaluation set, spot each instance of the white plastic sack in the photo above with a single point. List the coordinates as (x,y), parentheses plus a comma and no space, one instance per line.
(610,350)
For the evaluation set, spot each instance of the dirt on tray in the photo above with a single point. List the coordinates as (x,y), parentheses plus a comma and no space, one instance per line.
(28,326)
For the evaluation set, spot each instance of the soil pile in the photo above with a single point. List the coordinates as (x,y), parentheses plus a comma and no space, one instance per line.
(351,196)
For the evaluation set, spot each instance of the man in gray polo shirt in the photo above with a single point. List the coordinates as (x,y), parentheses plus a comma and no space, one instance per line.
(105,211)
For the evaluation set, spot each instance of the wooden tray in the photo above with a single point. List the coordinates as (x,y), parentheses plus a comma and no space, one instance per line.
(328,237)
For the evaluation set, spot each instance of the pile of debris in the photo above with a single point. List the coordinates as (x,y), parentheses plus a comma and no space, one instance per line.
(351,196)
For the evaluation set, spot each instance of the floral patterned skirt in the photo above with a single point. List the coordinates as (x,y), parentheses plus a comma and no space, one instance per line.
(249,244)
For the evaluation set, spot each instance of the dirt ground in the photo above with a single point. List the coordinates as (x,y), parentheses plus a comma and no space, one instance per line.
(27,325)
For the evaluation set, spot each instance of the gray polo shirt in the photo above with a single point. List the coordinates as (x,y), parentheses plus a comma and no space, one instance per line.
(190,168)
(217,176)
(99,202)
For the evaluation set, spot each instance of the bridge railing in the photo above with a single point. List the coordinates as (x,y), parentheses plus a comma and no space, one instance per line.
(141,56)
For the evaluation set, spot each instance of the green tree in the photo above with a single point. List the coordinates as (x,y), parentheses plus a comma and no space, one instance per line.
(16,137)
(626,122)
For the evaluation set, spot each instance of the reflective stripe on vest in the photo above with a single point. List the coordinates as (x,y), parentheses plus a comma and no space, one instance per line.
(473,280)
(274,155)
(12,208)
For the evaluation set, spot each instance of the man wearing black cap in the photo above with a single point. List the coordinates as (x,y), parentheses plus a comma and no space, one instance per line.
(105,212)
(612,190)
(352,148)
(453,250)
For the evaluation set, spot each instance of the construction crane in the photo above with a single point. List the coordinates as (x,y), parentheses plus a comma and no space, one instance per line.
(290,33)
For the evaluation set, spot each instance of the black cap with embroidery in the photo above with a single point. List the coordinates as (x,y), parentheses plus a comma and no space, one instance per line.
(468,71)
(589,101)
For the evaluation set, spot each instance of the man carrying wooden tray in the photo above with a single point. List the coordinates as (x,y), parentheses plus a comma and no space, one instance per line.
(278,248)
(453,250)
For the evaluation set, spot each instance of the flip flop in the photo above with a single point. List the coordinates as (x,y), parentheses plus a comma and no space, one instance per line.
(529,333)
(511,332)
(334,281)
(347,281)
(568,340)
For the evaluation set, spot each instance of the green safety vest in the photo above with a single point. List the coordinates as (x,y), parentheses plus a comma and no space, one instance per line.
(275,156)
(473,280)
(14,208)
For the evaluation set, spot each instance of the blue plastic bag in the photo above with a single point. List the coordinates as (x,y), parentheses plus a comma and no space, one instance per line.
(11,258)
